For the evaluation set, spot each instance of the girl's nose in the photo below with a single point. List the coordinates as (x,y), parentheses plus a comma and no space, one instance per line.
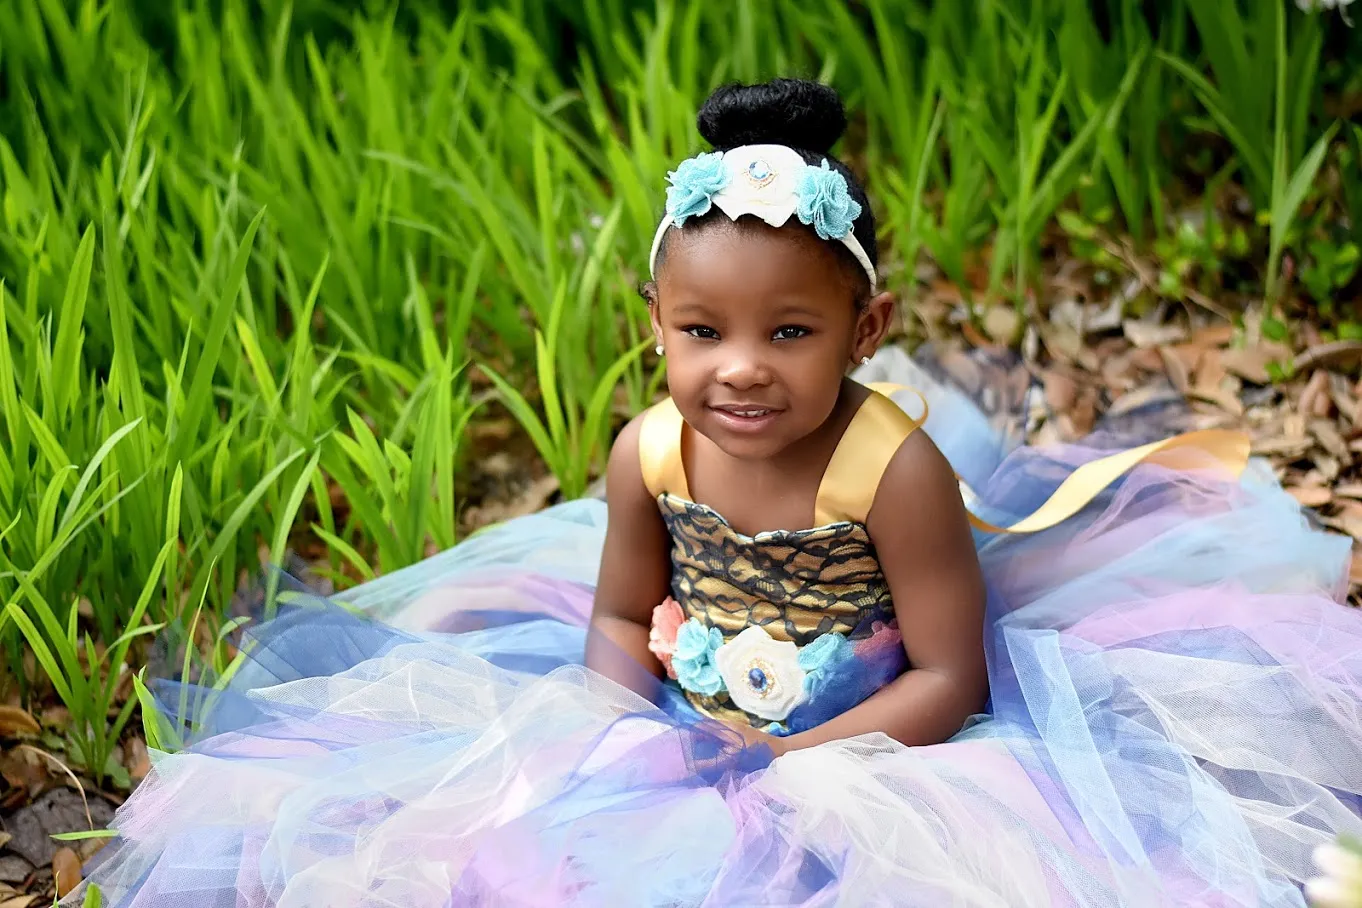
(742,369)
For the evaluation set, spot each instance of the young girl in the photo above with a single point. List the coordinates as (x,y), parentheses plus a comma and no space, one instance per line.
(783,669)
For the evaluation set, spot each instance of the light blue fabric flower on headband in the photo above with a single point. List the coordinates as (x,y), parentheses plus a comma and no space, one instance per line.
(825,203)
(693,185)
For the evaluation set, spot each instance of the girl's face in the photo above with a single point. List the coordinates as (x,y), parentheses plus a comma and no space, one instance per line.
(759,326)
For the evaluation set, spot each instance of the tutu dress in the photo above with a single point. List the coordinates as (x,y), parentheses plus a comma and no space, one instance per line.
(1175,713)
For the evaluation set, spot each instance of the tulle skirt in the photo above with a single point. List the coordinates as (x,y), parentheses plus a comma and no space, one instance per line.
(1175,719)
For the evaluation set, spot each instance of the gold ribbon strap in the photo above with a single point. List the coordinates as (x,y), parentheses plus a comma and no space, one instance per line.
(1226,449)
(659,450)
(869,443)
(1190,451)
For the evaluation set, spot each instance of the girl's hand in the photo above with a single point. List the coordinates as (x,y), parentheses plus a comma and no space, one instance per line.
(755,737)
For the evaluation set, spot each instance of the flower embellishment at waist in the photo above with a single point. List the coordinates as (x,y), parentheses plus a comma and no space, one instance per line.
(763,676)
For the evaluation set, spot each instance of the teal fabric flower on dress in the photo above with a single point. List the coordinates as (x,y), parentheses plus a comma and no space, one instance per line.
(830,682)
(825,203)
(693,658)
(693,185)
(824,653)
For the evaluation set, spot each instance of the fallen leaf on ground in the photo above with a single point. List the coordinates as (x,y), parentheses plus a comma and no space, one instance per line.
(136,759)
(1250,363)
(66,871)
(1310,496)
(1336,353)
(15,721)
(1152,334)
(1002,324)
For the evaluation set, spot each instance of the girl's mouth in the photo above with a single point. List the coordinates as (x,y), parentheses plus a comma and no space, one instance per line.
(745,417)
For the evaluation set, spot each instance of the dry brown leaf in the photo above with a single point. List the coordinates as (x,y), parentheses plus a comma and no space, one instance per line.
(1336,353)
(1002,324)
(66,871)
(1147,358)
(1355,568)
(1136,399)
(1330,439)
(1152,334)
(136,760)
(1326,469)
(15,721)
(1281,446)
(1210,371)
(1293,425)
(1315,390)
(1216,335)
(1065,344)
(1119,372)
(1348,518)
(1082,416)
(1060,390)
(1349,490)
(1340,392)
(1250,363)
(21,901)
(1223,399)
(24,770)
(1311,496)
(1177,367)
(56,716)
(973,335)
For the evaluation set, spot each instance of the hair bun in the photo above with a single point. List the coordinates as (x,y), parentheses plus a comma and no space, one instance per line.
(794,112)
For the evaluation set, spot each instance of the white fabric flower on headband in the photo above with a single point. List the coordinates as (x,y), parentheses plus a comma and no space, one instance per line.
(772,182)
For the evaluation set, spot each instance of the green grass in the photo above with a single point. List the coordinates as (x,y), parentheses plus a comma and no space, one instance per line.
(265,263)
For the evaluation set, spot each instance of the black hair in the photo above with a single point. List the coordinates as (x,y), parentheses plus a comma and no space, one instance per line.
(804,115)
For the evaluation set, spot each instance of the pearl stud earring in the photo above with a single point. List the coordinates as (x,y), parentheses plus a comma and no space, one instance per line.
(659,349)
(865,360)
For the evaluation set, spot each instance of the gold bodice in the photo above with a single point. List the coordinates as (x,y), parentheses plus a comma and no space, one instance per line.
(820,592)
(795,584)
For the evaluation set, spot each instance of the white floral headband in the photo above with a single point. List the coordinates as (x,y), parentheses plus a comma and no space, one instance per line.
(770,181)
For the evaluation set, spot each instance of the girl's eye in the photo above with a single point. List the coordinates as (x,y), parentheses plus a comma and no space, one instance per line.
(704,332)
(791,332)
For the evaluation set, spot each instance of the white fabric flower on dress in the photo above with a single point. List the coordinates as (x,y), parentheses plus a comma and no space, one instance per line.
(762,674)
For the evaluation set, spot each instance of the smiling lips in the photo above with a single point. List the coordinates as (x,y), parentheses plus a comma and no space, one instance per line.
(744,416)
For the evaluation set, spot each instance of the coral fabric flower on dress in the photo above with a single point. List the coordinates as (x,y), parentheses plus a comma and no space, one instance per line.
(693,658)
(763,675)
(667,620)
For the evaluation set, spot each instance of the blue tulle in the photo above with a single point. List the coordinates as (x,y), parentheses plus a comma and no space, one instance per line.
(1175,719)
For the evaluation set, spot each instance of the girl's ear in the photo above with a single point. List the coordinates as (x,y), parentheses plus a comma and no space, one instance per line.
(654,316)
(872,324)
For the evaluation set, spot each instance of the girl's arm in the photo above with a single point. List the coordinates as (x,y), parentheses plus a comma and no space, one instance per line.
(927,553)
(635,573)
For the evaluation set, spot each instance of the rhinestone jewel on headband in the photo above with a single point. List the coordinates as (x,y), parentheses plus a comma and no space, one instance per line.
(759,173)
